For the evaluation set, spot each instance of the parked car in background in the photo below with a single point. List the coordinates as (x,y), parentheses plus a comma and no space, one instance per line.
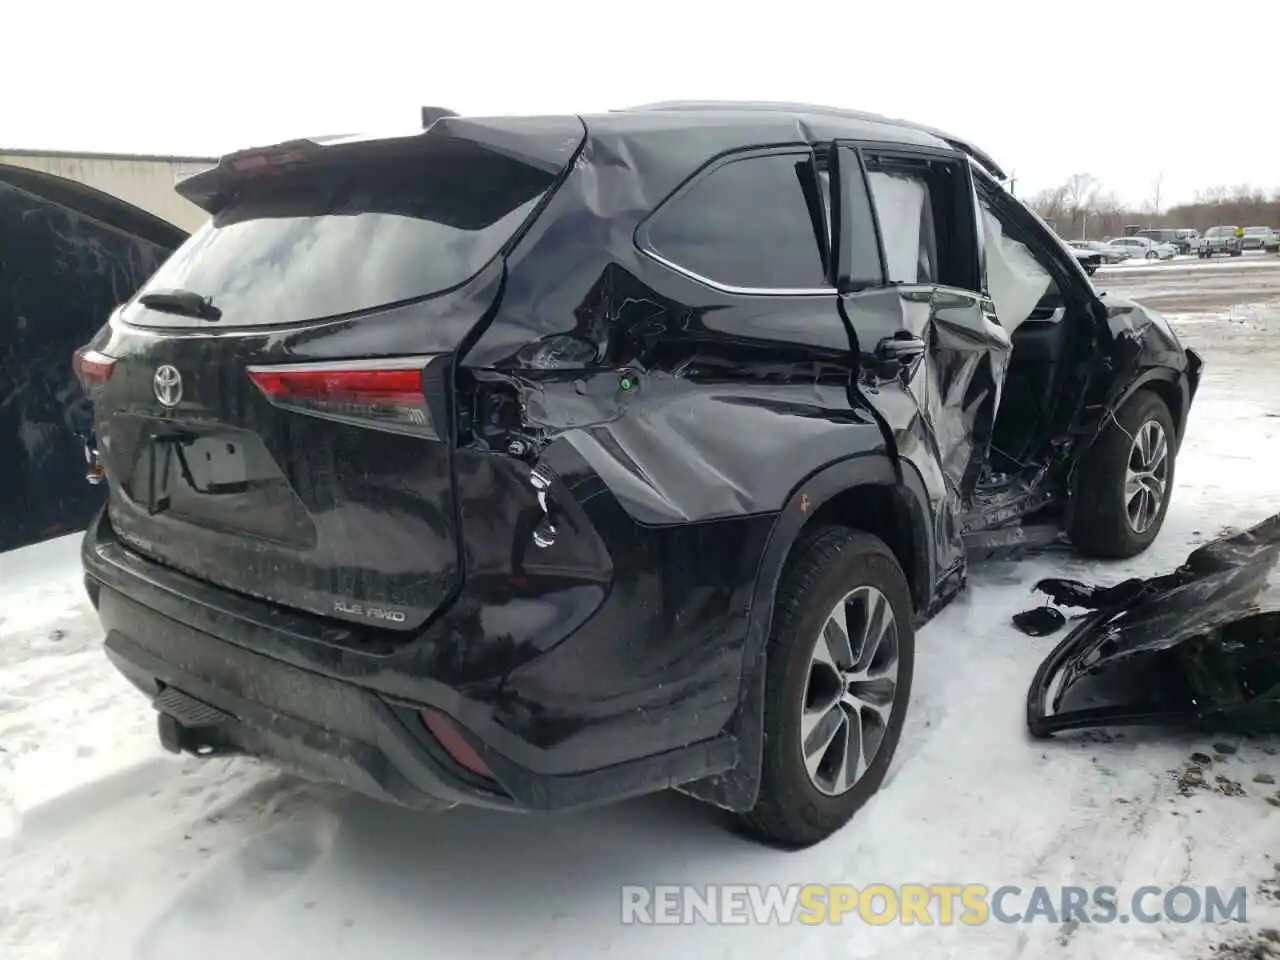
(1090,260)
(1161,235)
(1260,238)
(1218,240)
(68,251)
(1187,240)
(1144,248)
(1110,252)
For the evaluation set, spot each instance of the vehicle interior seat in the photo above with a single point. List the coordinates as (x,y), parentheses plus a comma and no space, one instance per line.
(1029,307)
(1037,367)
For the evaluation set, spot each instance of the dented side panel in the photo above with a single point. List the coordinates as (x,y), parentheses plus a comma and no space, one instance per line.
(938,407)
(673,421)
(677,420)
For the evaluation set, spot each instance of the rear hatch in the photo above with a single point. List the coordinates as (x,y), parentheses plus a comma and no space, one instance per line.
(273,408)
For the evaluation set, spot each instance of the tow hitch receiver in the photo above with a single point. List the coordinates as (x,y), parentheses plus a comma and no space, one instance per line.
(188,725)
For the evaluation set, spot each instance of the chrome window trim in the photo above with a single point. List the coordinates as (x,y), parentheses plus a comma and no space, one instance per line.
(739,291)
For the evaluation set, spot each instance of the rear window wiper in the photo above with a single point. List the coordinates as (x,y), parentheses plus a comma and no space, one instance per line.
(185,302)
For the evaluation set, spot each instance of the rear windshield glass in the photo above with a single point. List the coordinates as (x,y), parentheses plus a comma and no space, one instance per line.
(342,239)
(1256,229)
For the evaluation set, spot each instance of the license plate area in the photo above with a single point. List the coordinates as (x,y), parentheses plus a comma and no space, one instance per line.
(220,479)
(182,463)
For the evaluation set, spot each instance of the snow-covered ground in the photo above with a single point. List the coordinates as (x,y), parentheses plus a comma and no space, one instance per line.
(112,849)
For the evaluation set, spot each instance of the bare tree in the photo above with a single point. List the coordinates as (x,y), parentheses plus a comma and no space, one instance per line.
(1050,203)
(1243,193)
(1077,196)
(1080,206)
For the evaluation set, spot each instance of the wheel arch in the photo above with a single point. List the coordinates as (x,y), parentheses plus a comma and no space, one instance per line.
(1170,386)
(864,492)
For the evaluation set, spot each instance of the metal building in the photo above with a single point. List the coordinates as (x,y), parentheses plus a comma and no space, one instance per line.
(141,180)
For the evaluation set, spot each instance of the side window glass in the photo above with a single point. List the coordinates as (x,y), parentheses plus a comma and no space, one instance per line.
(744,224)
(862,257)
(905,205)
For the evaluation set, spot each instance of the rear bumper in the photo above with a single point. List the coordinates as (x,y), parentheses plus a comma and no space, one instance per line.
(227,682)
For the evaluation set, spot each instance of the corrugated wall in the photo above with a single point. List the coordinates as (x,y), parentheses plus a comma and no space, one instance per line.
(143,181)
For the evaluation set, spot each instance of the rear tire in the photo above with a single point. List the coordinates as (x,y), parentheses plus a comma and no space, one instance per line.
(1116,513)
(835,569)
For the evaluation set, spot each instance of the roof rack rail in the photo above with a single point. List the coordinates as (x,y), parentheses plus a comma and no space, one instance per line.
(982,158)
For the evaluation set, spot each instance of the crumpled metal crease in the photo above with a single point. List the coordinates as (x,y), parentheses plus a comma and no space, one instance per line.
(969,354)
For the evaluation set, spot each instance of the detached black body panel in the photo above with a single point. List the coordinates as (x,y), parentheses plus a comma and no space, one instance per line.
(1196,647)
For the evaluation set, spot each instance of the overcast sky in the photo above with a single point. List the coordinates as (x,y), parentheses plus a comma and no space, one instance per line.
(1127,90)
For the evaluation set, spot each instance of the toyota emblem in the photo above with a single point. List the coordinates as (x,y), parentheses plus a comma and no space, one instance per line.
(167,384)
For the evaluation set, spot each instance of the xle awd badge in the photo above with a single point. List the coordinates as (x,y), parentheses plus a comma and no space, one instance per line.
(167,384)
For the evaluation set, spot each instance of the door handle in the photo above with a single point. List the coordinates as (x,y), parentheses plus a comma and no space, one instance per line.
(902,346)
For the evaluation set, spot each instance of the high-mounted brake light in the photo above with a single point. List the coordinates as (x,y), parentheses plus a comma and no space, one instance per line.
(263,162)
(92,368)
(380,394)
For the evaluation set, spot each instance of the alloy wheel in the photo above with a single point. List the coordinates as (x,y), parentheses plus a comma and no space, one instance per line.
(1146,478)
(850,691)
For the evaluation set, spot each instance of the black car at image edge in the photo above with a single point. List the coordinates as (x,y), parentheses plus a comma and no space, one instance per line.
(538,462)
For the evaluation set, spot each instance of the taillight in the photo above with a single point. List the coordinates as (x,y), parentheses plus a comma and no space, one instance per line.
(92,368)
(381,394)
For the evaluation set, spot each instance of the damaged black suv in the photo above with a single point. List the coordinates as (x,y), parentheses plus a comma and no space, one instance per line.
(537,462)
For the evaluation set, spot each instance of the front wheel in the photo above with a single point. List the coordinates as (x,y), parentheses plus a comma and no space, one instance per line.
(1152,255)
(839,664)
(1125,480)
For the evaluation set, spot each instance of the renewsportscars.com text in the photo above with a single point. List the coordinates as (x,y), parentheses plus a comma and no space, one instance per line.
(932,904)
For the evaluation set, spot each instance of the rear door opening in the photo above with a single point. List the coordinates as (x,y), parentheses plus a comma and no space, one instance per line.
(259,428)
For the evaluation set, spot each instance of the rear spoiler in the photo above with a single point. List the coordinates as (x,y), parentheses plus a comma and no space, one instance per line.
(547,143)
